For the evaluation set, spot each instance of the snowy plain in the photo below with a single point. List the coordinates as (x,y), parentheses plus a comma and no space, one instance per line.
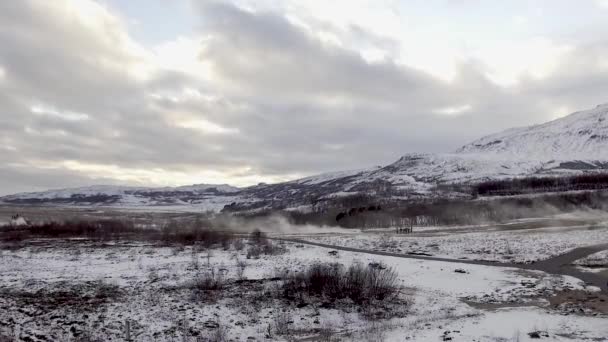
(441,302)
(518,246)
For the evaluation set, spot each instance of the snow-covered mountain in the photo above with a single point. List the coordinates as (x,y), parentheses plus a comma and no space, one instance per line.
(199,196)
(581,135)
(572,144)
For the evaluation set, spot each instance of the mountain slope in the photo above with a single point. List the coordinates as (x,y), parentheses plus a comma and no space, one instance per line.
(578,136)
(572,144)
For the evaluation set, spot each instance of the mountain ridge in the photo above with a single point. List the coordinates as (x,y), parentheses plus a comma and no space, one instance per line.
(572,144)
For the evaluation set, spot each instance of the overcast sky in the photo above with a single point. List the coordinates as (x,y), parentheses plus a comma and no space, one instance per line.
(161,92)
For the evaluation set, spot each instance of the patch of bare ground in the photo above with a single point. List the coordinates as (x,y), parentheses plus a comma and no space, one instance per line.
(580,302)
(567,302)
(67,307)
(532,290)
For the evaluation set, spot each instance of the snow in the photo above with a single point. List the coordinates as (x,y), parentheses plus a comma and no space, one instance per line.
(520,246)
(514,325)
(434,288)
(329,176)
(578,136)
(599,258)
(595,263)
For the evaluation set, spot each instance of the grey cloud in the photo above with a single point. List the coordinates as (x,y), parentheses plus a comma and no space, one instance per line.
(263,54)
(300,106)
(16,179)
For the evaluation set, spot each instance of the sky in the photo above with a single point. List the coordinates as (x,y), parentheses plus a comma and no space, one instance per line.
(176,92)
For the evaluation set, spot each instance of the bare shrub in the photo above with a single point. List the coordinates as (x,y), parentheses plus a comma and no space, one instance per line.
(207,285)
(115,230)
(254,252)
(241,265)
(219,334)
(358,282)
(210,280)
(257,237)
(194,234)
(273,249)
(106,291)
(194,260)
(281,321)
(238,244)
(260,244)
(381,281)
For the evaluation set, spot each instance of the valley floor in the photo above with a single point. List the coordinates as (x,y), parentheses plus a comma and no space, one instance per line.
(66,290)
(517,242)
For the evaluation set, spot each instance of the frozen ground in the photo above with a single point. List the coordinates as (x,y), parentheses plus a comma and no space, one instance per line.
(599,259)
(523,245)
(596,263)
(149,286)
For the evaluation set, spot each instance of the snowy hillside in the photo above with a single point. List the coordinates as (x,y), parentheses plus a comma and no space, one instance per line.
(200,197)
(578,136)
(572,144)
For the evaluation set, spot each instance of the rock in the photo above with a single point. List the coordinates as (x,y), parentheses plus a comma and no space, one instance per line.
(538,334)
(460,270)
(211,324)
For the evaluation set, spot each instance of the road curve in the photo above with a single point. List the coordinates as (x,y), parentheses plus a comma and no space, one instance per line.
(559,265)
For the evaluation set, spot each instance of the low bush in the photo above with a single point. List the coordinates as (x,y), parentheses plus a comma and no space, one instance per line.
(114,230)
(260,244)
(210,280)
(190,234)
(254,252)
(359,283)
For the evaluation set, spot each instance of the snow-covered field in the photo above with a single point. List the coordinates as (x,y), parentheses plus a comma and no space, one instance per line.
(519,246)
(598,259)
(54,289)
(597,262)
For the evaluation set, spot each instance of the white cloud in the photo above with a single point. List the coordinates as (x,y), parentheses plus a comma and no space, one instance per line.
(454,110)
(602,3)
(183,55)
(205,126)
(507,62)
(65,115)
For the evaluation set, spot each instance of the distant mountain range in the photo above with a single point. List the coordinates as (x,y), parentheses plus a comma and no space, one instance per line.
(573,144)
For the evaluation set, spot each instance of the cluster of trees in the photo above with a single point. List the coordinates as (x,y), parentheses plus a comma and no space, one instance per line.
(518,186)
(186,233)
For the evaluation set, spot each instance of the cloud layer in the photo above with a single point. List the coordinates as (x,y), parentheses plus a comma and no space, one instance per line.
(257,94)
